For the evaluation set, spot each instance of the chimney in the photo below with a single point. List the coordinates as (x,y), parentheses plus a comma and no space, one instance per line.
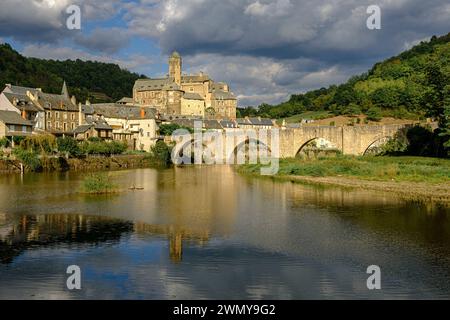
(142,113)
(24,114)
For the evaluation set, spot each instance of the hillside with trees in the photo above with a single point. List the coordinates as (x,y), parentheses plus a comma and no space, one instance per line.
(96,81)
(410,85)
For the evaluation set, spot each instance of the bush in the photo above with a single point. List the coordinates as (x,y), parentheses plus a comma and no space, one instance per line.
(103,147)
(98,183)
(69,145)
(30,159)
(374,114)
(169,129)
(4,142)
(41,144)
(160,154)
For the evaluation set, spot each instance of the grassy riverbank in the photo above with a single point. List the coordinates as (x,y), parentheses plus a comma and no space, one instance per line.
(417,176)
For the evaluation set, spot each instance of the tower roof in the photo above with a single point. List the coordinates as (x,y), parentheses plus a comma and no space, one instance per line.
(64,90)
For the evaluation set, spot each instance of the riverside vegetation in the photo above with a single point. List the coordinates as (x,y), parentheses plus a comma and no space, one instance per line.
(46,153)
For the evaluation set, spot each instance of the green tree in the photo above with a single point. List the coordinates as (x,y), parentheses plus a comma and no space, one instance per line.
(374,114)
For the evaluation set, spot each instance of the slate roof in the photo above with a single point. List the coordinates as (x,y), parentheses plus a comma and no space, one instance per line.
(212,124)
(261,121)
(56,102)
(228,124)
(21,90)
(98,124)
(192,96)
(156,84)
(242,121)
(82,129)
(118,111)
(11,117)
(23,102)
(223,95)
(194,78)
(126,100)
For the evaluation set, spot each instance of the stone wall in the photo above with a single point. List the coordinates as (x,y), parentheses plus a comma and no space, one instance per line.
(85,164)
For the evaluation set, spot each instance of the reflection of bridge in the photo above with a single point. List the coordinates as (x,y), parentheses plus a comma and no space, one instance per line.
(350,140)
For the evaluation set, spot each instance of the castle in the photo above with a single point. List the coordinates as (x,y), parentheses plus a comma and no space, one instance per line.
(188,95)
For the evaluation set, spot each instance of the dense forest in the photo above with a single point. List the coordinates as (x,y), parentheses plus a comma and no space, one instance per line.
(414,84)
(96,81)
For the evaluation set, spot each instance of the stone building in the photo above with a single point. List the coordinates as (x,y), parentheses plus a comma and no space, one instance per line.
(132,124)
(190,95)
(57,114)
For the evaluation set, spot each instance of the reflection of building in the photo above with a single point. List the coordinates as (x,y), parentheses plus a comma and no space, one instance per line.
(191,95)
(175,235)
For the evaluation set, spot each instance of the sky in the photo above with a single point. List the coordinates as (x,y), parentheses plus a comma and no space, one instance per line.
(265,49)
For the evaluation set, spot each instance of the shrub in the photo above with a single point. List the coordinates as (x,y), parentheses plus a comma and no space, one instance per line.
(30,159)
(41,144)
(69,145)
(4,142)
(98,183)
(169,129)
(160,154)
(103,147)
(374,114)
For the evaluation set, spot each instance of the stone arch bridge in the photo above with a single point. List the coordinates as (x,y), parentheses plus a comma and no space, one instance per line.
(350,140)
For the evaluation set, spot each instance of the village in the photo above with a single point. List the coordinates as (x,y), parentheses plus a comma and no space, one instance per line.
(178,99)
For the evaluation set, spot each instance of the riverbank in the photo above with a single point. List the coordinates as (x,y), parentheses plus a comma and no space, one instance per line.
(89,163)
(409,177)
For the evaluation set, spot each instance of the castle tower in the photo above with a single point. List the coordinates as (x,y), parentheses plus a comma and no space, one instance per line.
(175,65)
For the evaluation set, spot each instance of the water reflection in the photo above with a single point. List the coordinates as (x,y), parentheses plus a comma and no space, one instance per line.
(206,232)
(18,234)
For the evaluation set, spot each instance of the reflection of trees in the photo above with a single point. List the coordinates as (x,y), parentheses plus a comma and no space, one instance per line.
(34,232)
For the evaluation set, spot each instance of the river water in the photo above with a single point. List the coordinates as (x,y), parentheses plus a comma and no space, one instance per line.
(209,233)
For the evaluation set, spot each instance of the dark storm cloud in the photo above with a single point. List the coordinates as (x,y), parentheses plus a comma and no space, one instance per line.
(265,49)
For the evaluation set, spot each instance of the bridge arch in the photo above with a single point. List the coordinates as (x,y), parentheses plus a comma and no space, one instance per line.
(245,147)
(331,145)
(376,144)
(179,150)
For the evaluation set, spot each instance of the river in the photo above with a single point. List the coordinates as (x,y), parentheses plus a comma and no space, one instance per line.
(210,233)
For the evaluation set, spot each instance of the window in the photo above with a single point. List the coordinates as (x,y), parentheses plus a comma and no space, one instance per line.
(73,116)
(65,116)
(49,115)
(65,126)
(24,129)
(57,116)
(56,125)
(12,127)
(49,125)
(73,126)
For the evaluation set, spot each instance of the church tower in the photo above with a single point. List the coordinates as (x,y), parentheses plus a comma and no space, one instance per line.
(175,65)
